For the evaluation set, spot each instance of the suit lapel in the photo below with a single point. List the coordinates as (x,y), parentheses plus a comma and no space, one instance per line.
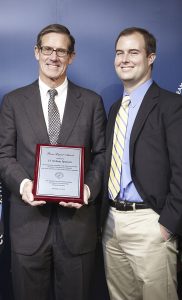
(149,101)
(110,132)
(34,112)
(72,111)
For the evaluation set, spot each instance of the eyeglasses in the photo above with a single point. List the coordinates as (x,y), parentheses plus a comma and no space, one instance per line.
(49,50)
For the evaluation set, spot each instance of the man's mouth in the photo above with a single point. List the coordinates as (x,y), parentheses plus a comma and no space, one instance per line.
(127,68)
(51,66)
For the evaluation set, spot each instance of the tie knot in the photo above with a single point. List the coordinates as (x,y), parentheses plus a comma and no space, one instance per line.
(126,101)
(52,93)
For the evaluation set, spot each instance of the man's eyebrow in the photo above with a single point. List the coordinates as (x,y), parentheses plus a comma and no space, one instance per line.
(132,49)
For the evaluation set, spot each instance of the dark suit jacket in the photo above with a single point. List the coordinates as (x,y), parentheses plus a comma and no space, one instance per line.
(22,126)
(155,155)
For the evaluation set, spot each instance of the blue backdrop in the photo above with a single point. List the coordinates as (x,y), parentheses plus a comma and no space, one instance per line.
(95,25)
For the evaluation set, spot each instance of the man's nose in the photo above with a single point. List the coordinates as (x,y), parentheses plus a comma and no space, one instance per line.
(54,55)
(125,57)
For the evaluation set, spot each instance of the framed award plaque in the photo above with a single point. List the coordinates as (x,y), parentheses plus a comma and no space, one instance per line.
(59,173)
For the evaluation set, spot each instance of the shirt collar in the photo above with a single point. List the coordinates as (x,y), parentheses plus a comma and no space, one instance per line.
(44,88)
(138,94)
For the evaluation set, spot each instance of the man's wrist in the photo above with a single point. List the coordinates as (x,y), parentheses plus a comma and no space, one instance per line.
(167,230)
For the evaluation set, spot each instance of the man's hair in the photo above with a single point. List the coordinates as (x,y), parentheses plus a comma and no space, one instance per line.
(150,40)
(56,28)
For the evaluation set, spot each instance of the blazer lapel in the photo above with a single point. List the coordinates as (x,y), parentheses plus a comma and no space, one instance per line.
(72,111)
(149,101)
(34,112)
(110,133)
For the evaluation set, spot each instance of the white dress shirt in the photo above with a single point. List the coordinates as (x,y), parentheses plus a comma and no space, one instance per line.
(60,98)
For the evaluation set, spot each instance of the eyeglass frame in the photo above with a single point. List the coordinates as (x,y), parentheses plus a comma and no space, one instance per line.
(64,51)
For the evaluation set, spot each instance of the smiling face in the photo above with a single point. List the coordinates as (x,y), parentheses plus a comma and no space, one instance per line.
(132,64)
(52,68)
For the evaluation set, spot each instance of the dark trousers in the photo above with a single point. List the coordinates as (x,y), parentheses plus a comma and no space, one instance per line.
(52,271)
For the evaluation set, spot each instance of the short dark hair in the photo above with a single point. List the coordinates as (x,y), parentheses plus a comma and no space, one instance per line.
(56,28)
(150,40)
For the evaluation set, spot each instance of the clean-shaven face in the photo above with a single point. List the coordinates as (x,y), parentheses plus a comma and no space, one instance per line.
(132,64)
(52,69)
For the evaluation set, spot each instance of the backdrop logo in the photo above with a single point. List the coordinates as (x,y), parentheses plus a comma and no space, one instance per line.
(179,90)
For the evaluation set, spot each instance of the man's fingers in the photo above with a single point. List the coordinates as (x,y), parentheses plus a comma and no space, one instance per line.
(70,204)
(37,203)
(28,197)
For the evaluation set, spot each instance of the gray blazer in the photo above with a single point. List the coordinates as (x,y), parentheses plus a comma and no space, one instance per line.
(22,126)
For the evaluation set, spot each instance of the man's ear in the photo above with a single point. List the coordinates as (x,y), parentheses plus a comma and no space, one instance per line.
(151,58)
(36,52)
(71,58)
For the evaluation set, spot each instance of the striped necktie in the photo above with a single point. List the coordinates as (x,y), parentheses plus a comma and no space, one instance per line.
(54,123)
(118,148)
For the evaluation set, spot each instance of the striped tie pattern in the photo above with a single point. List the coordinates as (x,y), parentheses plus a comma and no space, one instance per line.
(54,123)
(118,148)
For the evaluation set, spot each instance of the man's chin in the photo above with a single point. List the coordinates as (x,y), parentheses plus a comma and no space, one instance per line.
(126,78)
(54,76)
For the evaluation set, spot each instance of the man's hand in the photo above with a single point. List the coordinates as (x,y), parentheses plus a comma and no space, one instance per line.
(70,204)
(86,195)
(165,233)
(27,195)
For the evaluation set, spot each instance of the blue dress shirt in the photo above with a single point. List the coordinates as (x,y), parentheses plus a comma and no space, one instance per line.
(128,190)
